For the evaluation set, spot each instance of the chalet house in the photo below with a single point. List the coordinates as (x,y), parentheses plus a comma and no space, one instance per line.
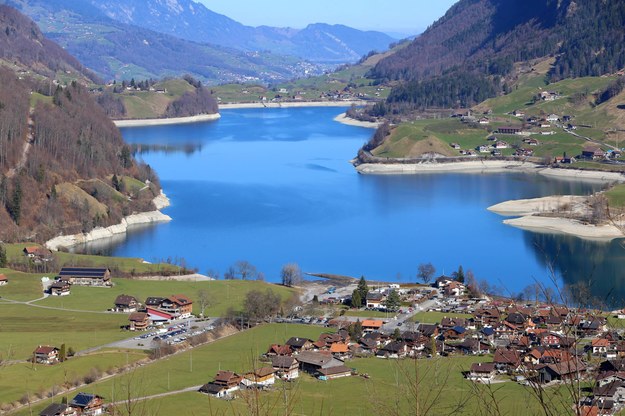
(428,330)
(455,333)
(593,326)
(154,302)
(375,300)
(471,346)
(593,153)
(454,289)
(518,113)
(550,340)
(482,372)
(328,339)
(225,383)
(314,362)
(600,346)
(260,378)
(3,280)
(614,391)
(484,120)
(552,118)
(509,130)
(483,149)
(86,276)
(334,372)
(45,354)
(447,323)
(300,344)
(516,318)
(87,404)
(286,367)
(443,281)
(394,349)
(340,350)
(139,321)
(126,303)
(506,359)
(368,345)
(532,142)
(501,145)
(370,325)
(488,316)
(179,306)
(38,254)
(59,288)
(561,371)
(58,409)
(277,349)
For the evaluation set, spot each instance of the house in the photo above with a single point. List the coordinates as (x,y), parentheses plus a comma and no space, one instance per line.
(454,289)
(471,346)
(455,146)
(340,350)
(600,346)
(299,344)
(448,322)
(506,359)
(87,404)
(484,120)
(375,300)
(561,371)
(86,276)
(126,303)
(335,372)
(154,301)
(3,280)
(225,383)
(593,153)
(38,254)
(501,145)
(428,330)
(455,333)
(532,142)
(159,317)
(286,367)
(482,372)
(552,118)
(483,149)
(45,354)
(313,362)
(59,288)
(614,391)
(260,378)
(370,325)
(139,321)
(58,409)
(277,349)
(518,113)
(394,349)
(179,306)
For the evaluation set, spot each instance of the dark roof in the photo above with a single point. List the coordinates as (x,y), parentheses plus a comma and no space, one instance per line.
(55,409)
(297,342)
(180,300)
(282,361)
(504,356)
(428,329)
(482,367)
(138,316)
(82,399)
(224,376)
(59,285)
(45,349)
(96,273)
(395,346)
(125,300)
(488,331)
(212,388)
(339,369)
(154,301)
(314,358)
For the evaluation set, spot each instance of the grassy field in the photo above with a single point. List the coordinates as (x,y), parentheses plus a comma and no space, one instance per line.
(39,378)
(386,391)
(367,314)
(616,196)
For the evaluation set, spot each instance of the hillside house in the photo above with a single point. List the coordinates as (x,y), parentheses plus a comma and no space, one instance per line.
(394,349)
(179,306)
(375,300)
(45,354)
(277,349)
(313,362)
(126,303)
(509,130)
(139,321)
(552,118)
(286,367)
(370,325)
(300,344)
(593,153)
(86,276)
(600,346)
(3,280)
(38,254)
(260,378)
(482,372)
(225,383)
(87,404)
(59,288)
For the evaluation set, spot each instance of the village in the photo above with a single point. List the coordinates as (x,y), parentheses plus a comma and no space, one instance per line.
(538,344)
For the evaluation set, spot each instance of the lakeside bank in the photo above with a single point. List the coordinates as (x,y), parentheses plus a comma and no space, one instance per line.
(166,121)
(292,104)
(65,241)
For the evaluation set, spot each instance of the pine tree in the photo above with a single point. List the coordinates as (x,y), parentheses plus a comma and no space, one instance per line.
(393,301)
(356,299)
(62,353)
(3,256)
(363,289)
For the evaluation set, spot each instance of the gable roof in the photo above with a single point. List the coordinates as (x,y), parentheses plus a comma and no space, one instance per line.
(505,356)
(283,361)
(82,400)
(180,300)
(125,300)
(372,323)
(298,342)
(314,358)
(138,316)
(45,349)
(482,367)
(339,347)
(87,272)
(55,409)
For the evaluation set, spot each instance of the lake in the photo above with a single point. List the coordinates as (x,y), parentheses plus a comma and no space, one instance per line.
(275,186)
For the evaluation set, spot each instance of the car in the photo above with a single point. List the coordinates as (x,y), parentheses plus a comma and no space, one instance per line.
(400,323)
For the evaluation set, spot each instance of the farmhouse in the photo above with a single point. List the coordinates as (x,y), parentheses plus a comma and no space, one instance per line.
(139,321)
(286,367)
(86,276)
(299,344)
(262,377)
(3,280)
(58,409)
(126,303)
(59,288)
(87,404)
(370,325)
(179,306)
(38,254)
(45,354)
(225,382)
(314,362)
(509,130)
(482,372)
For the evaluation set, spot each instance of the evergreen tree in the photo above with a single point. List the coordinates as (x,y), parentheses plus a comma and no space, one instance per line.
(356,299)
(15,205)
(355,330)
(3,256)
(459,275)
(396,334)
(315,300)
(363,289)
(62,353)
(115,182)
(393,301)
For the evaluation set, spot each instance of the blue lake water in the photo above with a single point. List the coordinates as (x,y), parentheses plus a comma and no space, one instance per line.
(274,186)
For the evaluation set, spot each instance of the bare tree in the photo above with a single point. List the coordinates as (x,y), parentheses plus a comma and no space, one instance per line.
(245,269)
(204,300)
(291,274)
(426,272)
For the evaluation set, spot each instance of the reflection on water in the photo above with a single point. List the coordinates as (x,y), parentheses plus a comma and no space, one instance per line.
(275,186)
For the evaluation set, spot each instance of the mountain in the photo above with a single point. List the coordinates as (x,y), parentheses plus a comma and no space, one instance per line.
(121,51)
(188,19)
(64,167)
(470,53)
(22,44)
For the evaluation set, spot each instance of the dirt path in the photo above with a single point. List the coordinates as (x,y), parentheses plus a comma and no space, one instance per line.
(30,138)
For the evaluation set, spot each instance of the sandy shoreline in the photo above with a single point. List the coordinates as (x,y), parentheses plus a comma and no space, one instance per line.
(293,104)
(160,201)
(344,119)
(559,208)
(478,166)
(166,121)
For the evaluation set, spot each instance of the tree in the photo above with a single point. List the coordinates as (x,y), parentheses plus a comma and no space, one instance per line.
(62,353)
(356,299)
(426,272)
(3,256)
(204,300)
(396,334)
(363,289)
(355,330)
(393,301)
(15,206)
(315,300)
(245,269)
(459,275)
(259,305)
(229,274)
(115,182)
(291,274)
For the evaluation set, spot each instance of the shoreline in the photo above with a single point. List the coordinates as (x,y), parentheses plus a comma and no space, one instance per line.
(528,213)
(166,121)
(160,201)
(344,119)
(292,104)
